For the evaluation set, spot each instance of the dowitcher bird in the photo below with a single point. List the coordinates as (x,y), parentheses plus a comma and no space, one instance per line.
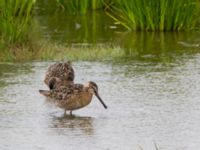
(72,96)
(59,71)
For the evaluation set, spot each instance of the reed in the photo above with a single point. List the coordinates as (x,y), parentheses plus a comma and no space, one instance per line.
(80,6)
(154,15)
(97,4)
(15,21)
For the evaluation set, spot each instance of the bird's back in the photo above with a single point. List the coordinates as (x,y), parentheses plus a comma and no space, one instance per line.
(64,92)
(62,71)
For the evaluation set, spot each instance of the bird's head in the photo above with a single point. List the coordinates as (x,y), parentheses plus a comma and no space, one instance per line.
(93,89)
(54,82)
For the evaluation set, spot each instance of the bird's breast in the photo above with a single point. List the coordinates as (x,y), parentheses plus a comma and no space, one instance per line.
(78,101)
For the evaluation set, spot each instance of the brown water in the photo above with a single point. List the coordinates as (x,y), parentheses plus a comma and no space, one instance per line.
(147,102)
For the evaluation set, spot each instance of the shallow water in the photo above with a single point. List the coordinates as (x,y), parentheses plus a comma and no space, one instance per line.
(148,103)
(152,92)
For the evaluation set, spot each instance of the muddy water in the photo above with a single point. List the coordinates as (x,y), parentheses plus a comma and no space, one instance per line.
(148,103)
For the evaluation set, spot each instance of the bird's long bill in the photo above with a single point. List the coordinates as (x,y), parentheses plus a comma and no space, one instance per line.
(104,105)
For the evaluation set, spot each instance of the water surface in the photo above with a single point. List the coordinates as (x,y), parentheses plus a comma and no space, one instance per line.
(147,102)
(152,91)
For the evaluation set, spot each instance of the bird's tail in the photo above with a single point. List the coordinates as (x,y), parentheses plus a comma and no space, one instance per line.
(44,92)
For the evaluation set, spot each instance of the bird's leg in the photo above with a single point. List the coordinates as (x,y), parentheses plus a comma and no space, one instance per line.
(70,113)
(65,112)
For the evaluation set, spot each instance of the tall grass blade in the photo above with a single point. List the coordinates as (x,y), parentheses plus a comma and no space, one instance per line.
(155,15)
(15,20)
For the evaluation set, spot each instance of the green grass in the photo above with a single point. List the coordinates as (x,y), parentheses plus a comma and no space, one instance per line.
(15,20)
(80,6)
(50,51)
(155,15)
(16,35)
(47,51)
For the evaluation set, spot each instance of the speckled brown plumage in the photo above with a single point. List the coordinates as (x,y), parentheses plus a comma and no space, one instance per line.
(72,96)
(62,71)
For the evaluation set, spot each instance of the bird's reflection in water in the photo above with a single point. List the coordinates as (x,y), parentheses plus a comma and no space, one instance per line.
(72,123)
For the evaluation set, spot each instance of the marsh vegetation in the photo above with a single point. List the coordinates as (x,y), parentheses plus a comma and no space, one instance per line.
(144,55)
(20,24)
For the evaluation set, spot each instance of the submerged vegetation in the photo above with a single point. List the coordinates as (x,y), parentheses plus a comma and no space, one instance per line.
(17,41)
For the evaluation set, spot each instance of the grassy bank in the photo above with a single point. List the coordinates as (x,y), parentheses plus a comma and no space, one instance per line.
(89,53)
(18,42)
(47,51)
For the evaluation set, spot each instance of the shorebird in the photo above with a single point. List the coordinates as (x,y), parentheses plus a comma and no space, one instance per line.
(72,96)
(59,71)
